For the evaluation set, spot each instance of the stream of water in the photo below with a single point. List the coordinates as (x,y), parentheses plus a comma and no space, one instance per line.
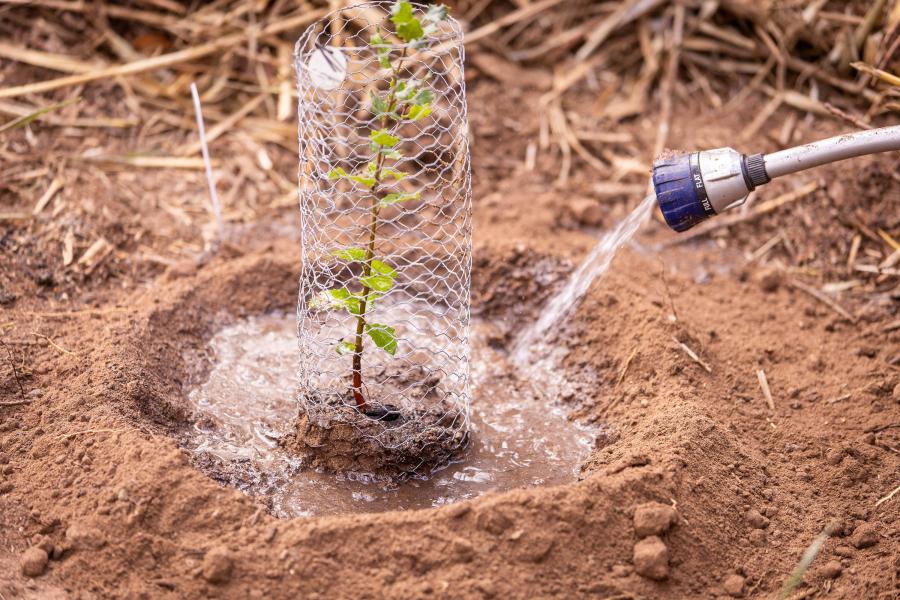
(558,308)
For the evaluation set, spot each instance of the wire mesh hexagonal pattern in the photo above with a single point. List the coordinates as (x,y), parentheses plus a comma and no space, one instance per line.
(412,227)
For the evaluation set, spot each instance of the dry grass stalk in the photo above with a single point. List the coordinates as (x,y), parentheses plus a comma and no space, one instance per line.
(692,355)
(821,297)
(890,495)
(764,386)
(160,62)
(759,210)
(47,196)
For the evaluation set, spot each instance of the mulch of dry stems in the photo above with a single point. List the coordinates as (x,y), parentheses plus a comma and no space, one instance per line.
(118,76)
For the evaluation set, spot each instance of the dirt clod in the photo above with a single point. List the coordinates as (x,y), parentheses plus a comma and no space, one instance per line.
(864,536)
(217,565)
(756,520)
(757,537)
(34,562)
(85,537)
(832,569)
(653,518)
(651,558)
(734,585)
(844,551)
(587,212)
(770,280)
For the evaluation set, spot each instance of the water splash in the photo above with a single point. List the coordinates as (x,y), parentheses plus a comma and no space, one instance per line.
(596,264)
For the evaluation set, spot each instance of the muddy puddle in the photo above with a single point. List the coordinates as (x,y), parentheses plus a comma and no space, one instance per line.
(518,438)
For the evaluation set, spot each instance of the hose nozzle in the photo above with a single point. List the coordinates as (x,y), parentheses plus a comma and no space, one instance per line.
(691,188)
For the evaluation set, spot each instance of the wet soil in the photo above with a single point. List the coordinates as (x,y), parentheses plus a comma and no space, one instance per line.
(91,468)
(245,408)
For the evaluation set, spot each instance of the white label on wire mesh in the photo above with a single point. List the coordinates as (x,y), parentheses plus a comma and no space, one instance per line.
(327,68)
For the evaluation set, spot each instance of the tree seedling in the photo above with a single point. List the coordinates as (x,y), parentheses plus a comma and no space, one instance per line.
(405,100)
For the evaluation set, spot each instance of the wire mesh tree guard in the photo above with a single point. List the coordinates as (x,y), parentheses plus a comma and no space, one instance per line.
(386,238)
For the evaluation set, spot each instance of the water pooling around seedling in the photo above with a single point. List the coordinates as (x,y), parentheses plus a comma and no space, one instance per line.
(558,308)
(516,441)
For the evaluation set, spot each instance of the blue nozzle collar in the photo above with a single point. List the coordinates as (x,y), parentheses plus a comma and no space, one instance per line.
(680,191)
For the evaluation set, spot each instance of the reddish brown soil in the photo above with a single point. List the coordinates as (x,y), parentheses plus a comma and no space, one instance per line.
(90,471)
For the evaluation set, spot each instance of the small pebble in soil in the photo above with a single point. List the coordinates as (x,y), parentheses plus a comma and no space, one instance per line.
(734,585)
(832,569)
(864,536)
(34,562)
(587,212)
(651,558)
(653,518)
(770,280)
(217,565)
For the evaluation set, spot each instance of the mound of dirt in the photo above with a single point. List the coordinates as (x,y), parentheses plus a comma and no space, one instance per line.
(331,434)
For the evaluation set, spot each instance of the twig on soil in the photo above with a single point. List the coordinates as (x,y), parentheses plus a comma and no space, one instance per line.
(45,199)
(54,344)
(808,556)
(692,355)
(12,363)
(764,384)
(824,300)
(662,275)
(888,497)
(626,366)
(74,433)
(884,76)
(853,119)
(207,163)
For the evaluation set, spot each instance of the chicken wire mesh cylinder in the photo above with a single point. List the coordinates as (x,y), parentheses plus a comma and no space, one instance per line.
(416,399)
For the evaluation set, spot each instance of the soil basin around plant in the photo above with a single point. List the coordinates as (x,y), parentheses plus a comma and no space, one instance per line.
(518,438)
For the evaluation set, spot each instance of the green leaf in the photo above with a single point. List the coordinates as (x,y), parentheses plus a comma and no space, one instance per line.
(382,50)
(423,96)
(384,337)
(386,172)
(394,173)
(335,299)
(339,173)
(384,139)
(397,198)
(336,173)
(350,254)
(345,348)
(379,105)
(418,111)
(407,25)
(378,283)
(436,13)
(383,268)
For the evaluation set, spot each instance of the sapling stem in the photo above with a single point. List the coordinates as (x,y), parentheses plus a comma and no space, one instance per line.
(407,100)
(356,380)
